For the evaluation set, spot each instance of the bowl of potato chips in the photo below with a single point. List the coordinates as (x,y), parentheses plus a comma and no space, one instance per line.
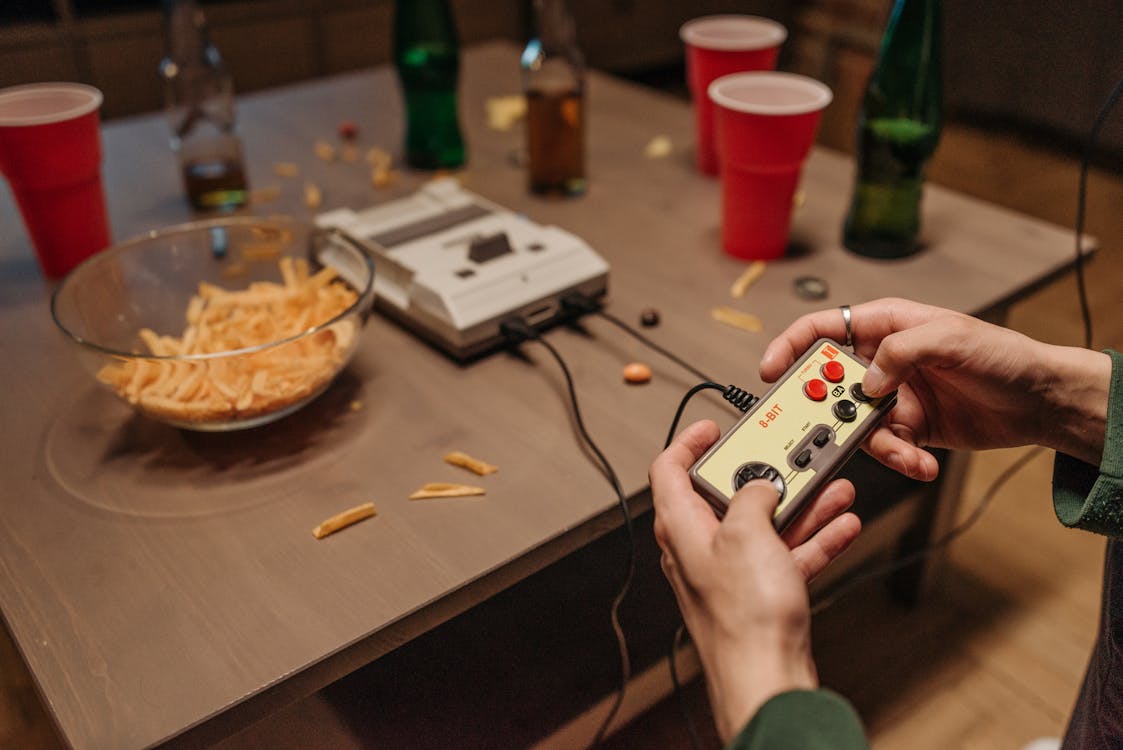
(220,324)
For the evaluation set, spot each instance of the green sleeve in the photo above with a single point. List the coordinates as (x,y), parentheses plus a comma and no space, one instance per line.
(803,720)
(1086,497)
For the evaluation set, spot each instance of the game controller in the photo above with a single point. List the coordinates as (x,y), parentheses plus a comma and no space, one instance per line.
(798,435)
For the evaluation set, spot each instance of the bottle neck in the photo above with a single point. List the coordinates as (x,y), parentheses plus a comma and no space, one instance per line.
(908,79)
(423,23)
(554,27)
(552,61)
(185,33)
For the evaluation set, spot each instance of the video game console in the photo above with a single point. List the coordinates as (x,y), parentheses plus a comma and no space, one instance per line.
(452,266)
(798,435)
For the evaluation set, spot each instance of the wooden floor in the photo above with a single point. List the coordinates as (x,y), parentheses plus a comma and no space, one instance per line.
(993,657)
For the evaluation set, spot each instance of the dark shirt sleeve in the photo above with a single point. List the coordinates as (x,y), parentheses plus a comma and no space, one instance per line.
(1091,498)
(803,720)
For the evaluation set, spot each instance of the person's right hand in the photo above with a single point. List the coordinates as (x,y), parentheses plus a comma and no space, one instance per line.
(961,383)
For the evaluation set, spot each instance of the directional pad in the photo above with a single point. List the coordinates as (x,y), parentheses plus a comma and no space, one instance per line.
(759,470)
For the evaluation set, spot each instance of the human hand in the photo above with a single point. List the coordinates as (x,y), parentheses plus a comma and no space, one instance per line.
(961,383)
(741,587)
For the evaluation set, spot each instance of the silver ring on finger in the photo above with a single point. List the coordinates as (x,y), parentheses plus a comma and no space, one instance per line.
(846,319)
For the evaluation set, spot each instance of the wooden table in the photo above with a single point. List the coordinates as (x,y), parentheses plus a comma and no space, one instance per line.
(164,587)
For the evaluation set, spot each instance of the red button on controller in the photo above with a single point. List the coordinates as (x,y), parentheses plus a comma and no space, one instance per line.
(833,371)
(816,389)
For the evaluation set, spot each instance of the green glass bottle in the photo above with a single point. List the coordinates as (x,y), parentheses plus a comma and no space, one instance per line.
(898,130)
(427,56)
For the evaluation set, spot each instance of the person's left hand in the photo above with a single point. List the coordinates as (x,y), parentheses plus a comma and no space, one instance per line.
(742,588)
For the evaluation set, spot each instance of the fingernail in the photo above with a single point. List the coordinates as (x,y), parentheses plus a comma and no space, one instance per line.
(898,463)
(874,381)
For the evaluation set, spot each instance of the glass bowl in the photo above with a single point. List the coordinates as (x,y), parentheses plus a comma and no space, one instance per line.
(221,324)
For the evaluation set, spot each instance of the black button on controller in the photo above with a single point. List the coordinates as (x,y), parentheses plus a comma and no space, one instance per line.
(822,437)
(858,394)
(802,459)
(759,470)
(845,410)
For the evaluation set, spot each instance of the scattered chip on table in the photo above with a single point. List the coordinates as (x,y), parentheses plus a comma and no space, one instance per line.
(356,405)
(379,157)
(446,489)
(286,169)
(504,111)
(349,153)
(658,147)
(748,278)
(324,150)
(474,465)
(383,177)
(344,519)
(312,195)
(736,318)
(265,194)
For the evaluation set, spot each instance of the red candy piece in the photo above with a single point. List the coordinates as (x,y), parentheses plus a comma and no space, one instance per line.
(348,130)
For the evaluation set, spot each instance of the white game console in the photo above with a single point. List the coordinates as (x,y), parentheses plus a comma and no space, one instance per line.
(452,265)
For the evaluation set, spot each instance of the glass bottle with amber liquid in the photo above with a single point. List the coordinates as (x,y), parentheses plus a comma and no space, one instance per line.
(427,58)
(199,104)
(898,130)
(553,73)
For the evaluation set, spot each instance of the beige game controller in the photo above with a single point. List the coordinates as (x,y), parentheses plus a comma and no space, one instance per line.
(798,435)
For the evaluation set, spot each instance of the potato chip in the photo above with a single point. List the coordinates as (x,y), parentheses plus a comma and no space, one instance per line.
(344,519)
(324,150)
(312,195)
(738,319)
(221,320)
(751,275)
(445,489)
(286,169)
(474,465)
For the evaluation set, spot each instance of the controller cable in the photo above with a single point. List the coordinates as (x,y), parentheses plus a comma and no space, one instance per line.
(1081,200)
(516,330)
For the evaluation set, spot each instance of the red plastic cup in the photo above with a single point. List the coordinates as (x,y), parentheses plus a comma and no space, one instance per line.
(50,152)
(766,123)
(717,46)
